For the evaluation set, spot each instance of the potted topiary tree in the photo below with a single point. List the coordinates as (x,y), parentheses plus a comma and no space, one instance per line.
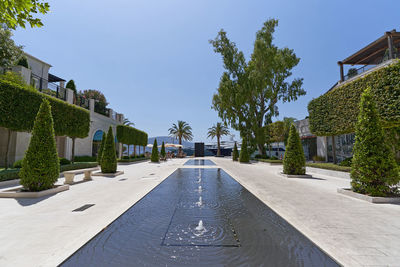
(374,170)
(162,152)
(41,166)
(235,153)
(109,156)
(154,152)
(244,156)
(294,161)
(100,152)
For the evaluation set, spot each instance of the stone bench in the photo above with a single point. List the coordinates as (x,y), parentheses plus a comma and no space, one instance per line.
(70,175)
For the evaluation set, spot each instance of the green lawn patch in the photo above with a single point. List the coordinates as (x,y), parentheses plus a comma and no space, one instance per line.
(329,166)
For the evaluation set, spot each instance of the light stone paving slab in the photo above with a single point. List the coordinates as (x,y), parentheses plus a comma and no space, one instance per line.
(45,232)
(354,232)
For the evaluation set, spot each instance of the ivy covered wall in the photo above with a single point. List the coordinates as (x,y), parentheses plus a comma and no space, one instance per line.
(336,112)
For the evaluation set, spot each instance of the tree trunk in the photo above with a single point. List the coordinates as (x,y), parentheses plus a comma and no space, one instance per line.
(129,156)
(139,150)
(219,147)
(73,150)
(7,149)
(180,148)
(261,149)
(333,149)
(134,150)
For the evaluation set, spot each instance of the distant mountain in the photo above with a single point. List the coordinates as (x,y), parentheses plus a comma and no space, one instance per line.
(168,139)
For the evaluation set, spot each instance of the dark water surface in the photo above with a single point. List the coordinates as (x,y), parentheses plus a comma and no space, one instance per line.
(164,229)
(199,162)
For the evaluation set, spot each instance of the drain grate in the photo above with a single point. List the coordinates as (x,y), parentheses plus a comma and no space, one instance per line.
(123,179)
(84,207)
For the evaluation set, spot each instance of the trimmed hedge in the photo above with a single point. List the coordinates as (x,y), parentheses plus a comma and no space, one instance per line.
(85,159)
(9,174)
(329,166)
(270,160)
(77,166)
(154,152)
(133,160)
(131,136)
(336,112)
(20,104)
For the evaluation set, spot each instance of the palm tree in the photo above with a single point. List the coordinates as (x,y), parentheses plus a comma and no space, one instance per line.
(218,131)
(127,122)
(181,131)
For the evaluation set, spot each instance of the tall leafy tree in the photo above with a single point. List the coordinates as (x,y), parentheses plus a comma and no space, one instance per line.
(218,131)
(108,162)
(248,92)
(181,131)
(15,13)
(10,53)
(154,152)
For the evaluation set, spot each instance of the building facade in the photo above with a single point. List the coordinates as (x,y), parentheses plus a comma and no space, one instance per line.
(38,76)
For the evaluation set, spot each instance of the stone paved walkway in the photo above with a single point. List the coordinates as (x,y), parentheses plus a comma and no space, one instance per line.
(44,232)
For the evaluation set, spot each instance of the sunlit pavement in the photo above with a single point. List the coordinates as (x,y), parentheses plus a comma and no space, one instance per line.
(44,232)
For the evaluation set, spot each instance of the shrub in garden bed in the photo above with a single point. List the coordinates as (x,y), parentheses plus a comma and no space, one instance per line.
(9,174)
(154,152)
(109,159)
(244,156)
(85,159)
(294,161)
(329,166)
(374,170)
(41,166)
(77,166)
(235,153)
(270,160)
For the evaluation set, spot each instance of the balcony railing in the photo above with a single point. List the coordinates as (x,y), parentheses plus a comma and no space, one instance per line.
(52,89)
(82,102)
(359,71)
(100,108)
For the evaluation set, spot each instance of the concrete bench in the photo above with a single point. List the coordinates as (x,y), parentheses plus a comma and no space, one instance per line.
(70,175)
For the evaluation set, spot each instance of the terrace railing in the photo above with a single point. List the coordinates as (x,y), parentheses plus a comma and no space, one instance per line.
(51,89)
(100,108)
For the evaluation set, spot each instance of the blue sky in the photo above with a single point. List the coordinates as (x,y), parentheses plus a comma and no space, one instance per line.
(153,62)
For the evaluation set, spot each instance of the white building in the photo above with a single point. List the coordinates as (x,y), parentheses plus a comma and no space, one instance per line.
(38,76)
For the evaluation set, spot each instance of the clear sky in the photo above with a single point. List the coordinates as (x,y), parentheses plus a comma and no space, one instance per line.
(153,62)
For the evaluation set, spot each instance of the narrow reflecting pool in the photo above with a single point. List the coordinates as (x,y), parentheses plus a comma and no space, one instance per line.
(199,162)
(200,217)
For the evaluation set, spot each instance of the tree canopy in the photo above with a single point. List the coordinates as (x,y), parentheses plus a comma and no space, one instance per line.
(15,13)
(10,53)
(248,92)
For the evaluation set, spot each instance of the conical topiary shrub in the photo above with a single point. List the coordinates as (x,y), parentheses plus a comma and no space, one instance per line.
(162,152)
(373,170)
(109,158)
(294,161)
(154,152)
(41,166)
(235,153)
(101,148)
(244,156)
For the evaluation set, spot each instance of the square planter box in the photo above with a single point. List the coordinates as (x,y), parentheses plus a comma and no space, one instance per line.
(295,175)
(376,200)
(16,193)
(108,174)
